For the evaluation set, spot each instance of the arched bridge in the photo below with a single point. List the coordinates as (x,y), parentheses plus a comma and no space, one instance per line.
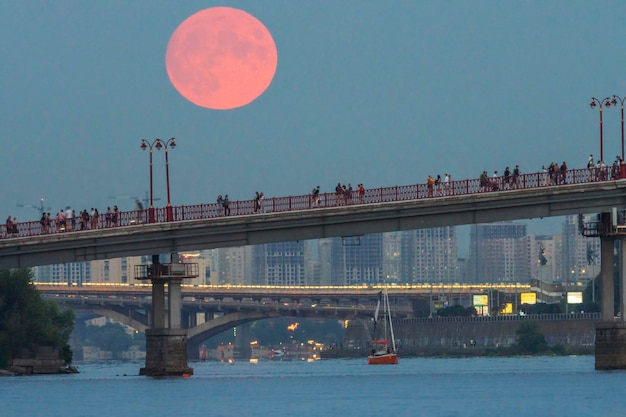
(207,317)
(211,309)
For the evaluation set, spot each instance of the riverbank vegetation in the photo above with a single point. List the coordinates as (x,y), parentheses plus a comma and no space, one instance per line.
(28,322)
(529,341)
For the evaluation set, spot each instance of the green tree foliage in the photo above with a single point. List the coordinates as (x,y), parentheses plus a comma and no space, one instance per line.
(541,308)
(529,339)
(110,337)
(457,311)
(27,321)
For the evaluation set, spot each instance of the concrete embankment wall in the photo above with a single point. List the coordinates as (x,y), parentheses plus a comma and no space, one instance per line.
(483,332)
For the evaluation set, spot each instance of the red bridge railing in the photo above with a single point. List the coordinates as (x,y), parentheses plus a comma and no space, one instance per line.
(323,200)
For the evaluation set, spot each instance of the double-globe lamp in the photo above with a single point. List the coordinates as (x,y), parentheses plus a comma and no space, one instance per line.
(158,144)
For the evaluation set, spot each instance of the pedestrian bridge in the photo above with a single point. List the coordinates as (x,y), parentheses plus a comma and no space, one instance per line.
(186,228)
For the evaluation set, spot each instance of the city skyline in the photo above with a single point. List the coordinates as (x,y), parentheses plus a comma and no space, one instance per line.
(363,93)
(499,252)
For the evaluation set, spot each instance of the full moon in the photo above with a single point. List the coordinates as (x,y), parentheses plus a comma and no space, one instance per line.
(221,58)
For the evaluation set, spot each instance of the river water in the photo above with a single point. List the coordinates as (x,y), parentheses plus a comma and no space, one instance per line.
(533,386)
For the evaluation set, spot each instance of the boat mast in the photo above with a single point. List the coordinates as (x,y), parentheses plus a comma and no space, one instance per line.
(385,312)
(388,310)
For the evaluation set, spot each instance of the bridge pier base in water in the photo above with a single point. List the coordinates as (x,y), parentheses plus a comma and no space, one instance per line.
(610,349)
(166,353)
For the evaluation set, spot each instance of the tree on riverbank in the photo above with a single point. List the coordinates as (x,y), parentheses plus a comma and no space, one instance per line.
(27,321)
(457,311)
(111,337)
(529,339)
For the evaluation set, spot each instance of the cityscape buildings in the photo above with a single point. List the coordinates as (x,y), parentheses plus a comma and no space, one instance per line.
(498,252)
(429,255)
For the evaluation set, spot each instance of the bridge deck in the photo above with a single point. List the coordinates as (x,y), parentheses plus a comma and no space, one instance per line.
(293,219)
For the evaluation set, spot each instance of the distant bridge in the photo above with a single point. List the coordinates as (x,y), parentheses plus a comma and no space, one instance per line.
(225,306)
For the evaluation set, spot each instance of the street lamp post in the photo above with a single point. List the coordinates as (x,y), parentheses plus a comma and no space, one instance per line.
(147,145)
(606,102)
(170,143)
(622,167)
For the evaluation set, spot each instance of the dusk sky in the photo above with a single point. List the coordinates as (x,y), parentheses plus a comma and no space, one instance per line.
(372,92)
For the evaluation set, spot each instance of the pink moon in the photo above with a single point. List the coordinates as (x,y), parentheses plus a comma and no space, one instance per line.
(221,58)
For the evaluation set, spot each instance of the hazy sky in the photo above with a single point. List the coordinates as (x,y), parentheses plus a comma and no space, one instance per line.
(372,92)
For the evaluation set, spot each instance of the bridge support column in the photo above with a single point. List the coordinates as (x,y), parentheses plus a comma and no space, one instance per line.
(610,351)
(158,304)
(242,341)
(607,287)
(166,342)
(622,277)
(174,303)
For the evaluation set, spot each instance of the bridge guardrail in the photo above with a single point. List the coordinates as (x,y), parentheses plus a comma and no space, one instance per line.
(325,200)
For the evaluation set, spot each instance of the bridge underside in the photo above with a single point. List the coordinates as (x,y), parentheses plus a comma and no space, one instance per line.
(126,317)
(213,327)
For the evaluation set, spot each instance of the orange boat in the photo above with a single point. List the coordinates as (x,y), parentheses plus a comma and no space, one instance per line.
(383,352)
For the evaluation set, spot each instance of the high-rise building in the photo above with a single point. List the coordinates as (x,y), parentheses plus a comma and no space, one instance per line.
(209,271)
(234,266)
(581,255)
(545,257)
(356,259)
(499,252)
(392,250)
(429,255)
(325,247)
(74,273)
(279,263)
(312,264)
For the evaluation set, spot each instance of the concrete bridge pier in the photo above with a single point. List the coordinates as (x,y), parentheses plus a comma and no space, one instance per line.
(242,341)
(166,341)
(610,349)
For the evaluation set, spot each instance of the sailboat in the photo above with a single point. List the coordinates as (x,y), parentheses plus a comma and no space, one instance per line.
(383,352)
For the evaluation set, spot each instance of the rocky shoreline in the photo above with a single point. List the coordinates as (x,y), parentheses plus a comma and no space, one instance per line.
(44,361)
(32,370)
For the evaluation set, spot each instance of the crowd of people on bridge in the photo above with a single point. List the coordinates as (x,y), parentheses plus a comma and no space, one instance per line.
(436,186)
(601,172)
(344,195)
(509,180)
(66,220)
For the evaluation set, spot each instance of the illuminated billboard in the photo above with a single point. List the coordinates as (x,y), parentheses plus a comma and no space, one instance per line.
(575,297)
(507,308)
(528,298)
(481,300)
